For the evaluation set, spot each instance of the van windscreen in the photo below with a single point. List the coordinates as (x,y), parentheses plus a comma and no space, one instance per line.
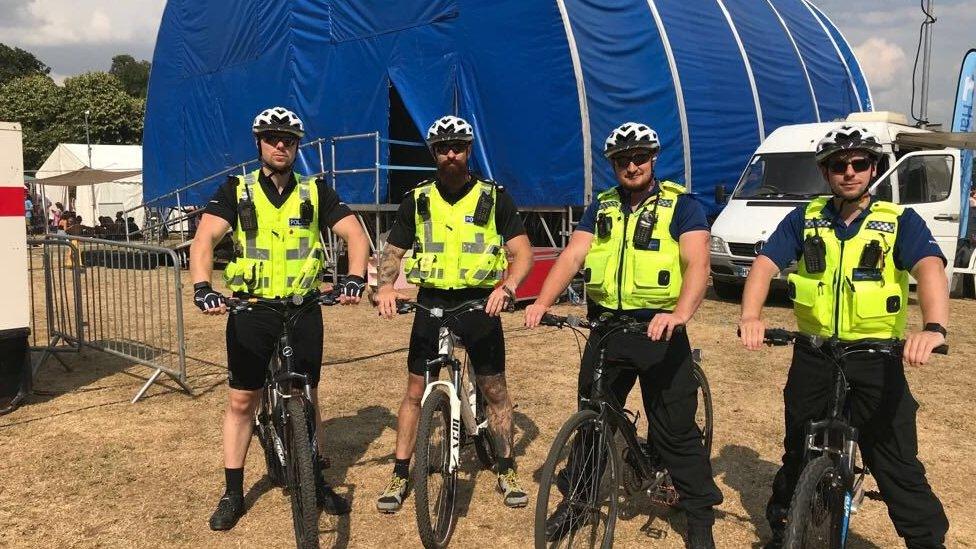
(781,175)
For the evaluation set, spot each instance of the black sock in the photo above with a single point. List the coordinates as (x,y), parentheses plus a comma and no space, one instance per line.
(235,480)
(401,468)
(504,464)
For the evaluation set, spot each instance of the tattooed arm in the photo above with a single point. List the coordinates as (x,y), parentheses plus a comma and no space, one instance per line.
(386,274)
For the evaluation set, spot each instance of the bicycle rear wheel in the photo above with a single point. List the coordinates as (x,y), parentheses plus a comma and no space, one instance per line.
(704,416)
(577,500)
(484,444)
(301,475)
(435,485)
(264,429)
(817,518)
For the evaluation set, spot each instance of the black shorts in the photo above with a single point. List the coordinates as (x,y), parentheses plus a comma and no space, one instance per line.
(251,340)
(481,334)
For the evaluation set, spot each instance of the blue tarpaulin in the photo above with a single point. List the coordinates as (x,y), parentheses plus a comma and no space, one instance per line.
(543,83)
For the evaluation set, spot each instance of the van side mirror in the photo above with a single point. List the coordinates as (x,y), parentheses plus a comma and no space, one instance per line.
(721,194)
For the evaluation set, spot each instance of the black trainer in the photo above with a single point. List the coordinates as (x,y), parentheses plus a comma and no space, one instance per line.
(700,537)
(329,501)
(230,509)
(563,521)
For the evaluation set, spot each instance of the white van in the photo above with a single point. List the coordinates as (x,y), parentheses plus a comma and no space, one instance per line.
(917,169)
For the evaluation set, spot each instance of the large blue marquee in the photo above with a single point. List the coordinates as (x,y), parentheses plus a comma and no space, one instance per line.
(543,83)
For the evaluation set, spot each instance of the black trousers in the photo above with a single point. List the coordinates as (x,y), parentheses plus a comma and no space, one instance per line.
(883,410)
(669,391)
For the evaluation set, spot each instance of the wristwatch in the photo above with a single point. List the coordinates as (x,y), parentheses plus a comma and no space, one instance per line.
(935,327)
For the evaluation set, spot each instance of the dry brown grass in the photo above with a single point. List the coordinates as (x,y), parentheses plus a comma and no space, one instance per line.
(83,468)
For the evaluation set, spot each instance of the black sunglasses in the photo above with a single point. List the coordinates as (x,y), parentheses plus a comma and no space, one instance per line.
(273,140)
(444,148)
(622,161)
(840,166)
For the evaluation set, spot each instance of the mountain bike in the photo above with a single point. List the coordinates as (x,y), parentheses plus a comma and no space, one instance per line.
(831,484)
(285,421)
(446,407)
(597,451)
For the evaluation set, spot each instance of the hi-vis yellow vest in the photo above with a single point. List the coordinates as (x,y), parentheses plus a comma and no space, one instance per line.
(283,256)
(452,251)
(847,301)
(620,276)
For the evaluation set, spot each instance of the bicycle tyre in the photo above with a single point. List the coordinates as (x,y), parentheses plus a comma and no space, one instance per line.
(434,533)
(301,475)
(548,483)
(264,429)
(705,401)
(484,444)
(815,503)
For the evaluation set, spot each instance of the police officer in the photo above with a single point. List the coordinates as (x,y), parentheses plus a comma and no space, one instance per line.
(459,227)
(644,246)
(854,254)
(276,217)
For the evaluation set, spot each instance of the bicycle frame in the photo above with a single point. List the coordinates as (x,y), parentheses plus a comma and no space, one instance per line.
(457,385)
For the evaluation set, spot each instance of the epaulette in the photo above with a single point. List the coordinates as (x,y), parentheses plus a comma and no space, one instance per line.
(418,185)
(883,206)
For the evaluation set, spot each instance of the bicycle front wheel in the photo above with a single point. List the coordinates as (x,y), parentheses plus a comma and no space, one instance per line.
(577,501)
(301,475)
(817,517)
(435,484)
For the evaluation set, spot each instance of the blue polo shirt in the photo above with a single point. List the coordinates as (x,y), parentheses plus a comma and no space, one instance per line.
(913,241)
(689,215)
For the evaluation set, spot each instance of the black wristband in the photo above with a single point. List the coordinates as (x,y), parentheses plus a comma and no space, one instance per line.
(935,327)
(201,285)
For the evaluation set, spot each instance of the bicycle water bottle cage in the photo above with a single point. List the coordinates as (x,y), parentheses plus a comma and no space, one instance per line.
(247,215)
(482,211)
(306,212)
(604,224)
(815,254)
(423,207)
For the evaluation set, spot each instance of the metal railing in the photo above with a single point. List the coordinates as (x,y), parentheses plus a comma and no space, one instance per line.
(121,298)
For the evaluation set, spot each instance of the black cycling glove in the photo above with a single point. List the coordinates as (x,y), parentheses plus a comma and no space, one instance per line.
(205,297)
(352,286)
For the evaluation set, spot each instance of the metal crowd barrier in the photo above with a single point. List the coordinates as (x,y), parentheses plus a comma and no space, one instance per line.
(118,297)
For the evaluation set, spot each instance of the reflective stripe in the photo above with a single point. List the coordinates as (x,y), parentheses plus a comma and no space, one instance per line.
(480,274)
(477,247)
(430,246)
(303,250)
(237,280)
(251,250)
(303,190)
(289,281)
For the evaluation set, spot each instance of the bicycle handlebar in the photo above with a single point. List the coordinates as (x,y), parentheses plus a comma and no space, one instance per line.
(237,305)
(621,322)
(779,337)
(405,307)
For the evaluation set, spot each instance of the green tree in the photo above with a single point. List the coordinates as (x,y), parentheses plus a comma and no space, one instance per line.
(35,101)
(15,62)
(114,118)
(133,74)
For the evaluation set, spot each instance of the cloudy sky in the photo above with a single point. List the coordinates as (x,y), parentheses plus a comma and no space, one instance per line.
(74,36)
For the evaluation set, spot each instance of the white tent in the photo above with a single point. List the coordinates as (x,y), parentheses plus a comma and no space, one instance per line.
(111,197)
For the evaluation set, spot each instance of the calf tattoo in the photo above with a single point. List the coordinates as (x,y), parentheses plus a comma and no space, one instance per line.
(389,265)
(495,390)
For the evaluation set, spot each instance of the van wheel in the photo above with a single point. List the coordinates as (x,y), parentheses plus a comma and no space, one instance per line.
(727,290)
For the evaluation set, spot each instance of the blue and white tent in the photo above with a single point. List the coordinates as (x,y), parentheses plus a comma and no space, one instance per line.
(543,83)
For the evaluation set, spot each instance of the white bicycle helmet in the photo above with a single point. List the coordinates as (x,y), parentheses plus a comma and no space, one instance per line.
(848,138)
(278,119)
(450,128)
(631,135)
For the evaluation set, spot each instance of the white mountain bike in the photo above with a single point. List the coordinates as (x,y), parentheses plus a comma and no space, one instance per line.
(447,406)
